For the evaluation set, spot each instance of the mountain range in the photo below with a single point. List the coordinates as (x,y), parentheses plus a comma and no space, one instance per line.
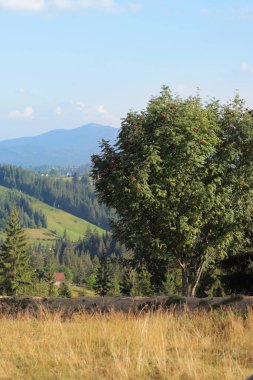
(58,147)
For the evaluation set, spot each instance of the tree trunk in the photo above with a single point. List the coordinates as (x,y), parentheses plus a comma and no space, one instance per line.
(186,286)
(189,287)
(197,279)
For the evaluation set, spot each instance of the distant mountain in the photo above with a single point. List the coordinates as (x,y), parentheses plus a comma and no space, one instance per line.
(57,147)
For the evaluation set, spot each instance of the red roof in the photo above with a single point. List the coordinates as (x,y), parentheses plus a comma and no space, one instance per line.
(59,276)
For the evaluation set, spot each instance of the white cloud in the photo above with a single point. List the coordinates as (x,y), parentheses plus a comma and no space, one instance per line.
(80,106)
(110,5)
(247,68)
(23,91)
(98,4)
(58,110)
(101,109)
(23,5)
(26,114)
(63,4)
(87,109)
(40,5)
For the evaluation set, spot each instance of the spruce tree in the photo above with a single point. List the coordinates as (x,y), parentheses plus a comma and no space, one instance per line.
(144,283)
(65,290)
(126,282)
(15,269)
(49,275)
(103,276)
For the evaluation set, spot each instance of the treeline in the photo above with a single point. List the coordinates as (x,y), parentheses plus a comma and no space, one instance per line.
(81,259)
(100,264)
(103,265)
(29,217)
(74,195)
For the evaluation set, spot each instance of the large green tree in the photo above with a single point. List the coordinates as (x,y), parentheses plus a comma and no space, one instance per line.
(15,269)
(180,177)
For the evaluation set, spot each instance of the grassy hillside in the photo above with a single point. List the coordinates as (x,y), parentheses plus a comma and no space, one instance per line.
(58,221)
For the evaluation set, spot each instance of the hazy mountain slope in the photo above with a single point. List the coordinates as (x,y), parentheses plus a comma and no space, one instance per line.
(57,147)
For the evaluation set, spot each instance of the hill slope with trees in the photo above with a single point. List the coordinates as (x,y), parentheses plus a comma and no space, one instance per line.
(74,196)
(42,222)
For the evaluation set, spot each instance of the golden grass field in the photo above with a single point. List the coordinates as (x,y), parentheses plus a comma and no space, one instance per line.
(159,345)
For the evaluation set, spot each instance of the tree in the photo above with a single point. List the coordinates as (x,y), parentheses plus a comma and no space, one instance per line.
(49,274)
(65,290)
(15,269)
(103,276)
(144,283)
(180,178)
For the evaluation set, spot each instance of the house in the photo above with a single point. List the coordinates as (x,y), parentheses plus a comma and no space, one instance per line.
(59,278)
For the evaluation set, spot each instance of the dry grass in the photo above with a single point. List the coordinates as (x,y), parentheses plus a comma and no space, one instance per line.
(120,346)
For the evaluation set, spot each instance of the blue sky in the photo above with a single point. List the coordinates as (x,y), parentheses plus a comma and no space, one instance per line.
(65,63)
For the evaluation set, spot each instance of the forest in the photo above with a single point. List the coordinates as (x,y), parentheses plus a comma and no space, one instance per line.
(75,195)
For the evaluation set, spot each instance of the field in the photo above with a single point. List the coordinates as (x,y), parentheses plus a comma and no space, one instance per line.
(58,221)
(124,346)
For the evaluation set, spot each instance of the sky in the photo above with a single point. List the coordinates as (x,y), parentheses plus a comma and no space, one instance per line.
(66,63)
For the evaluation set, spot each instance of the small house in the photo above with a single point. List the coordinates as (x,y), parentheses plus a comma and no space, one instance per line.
(59,278)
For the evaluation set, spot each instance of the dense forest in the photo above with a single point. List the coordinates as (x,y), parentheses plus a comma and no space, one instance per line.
(29,217)
(72,194)
(82,261)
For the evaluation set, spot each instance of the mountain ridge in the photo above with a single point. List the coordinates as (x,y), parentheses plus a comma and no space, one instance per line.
(57,147)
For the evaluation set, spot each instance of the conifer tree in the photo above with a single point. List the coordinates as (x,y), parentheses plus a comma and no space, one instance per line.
(65,290)
(49,275)
(103,276)
(144,283)
(15,269)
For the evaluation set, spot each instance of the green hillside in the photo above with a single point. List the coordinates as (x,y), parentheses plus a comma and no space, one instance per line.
(57,220)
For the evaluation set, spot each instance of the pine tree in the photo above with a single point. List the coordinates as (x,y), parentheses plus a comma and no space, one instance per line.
(65,290)
(103,276)
(114,290)
(49,275)
(144,283)
(126,283)
(15,269)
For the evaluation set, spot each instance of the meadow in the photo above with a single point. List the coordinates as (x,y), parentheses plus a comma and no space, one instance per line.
(58,222)
(159,345)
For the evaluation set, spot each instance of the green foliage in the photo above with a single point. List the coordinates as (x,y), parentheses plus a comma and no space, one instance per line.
(29,217)
(75,197)
(114,290)
(172,283)
(90,281)
(35,289)
(64,290)
(103,276)
(50,266)
(15,268)
(126,283)
(180,178)
(144,284)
